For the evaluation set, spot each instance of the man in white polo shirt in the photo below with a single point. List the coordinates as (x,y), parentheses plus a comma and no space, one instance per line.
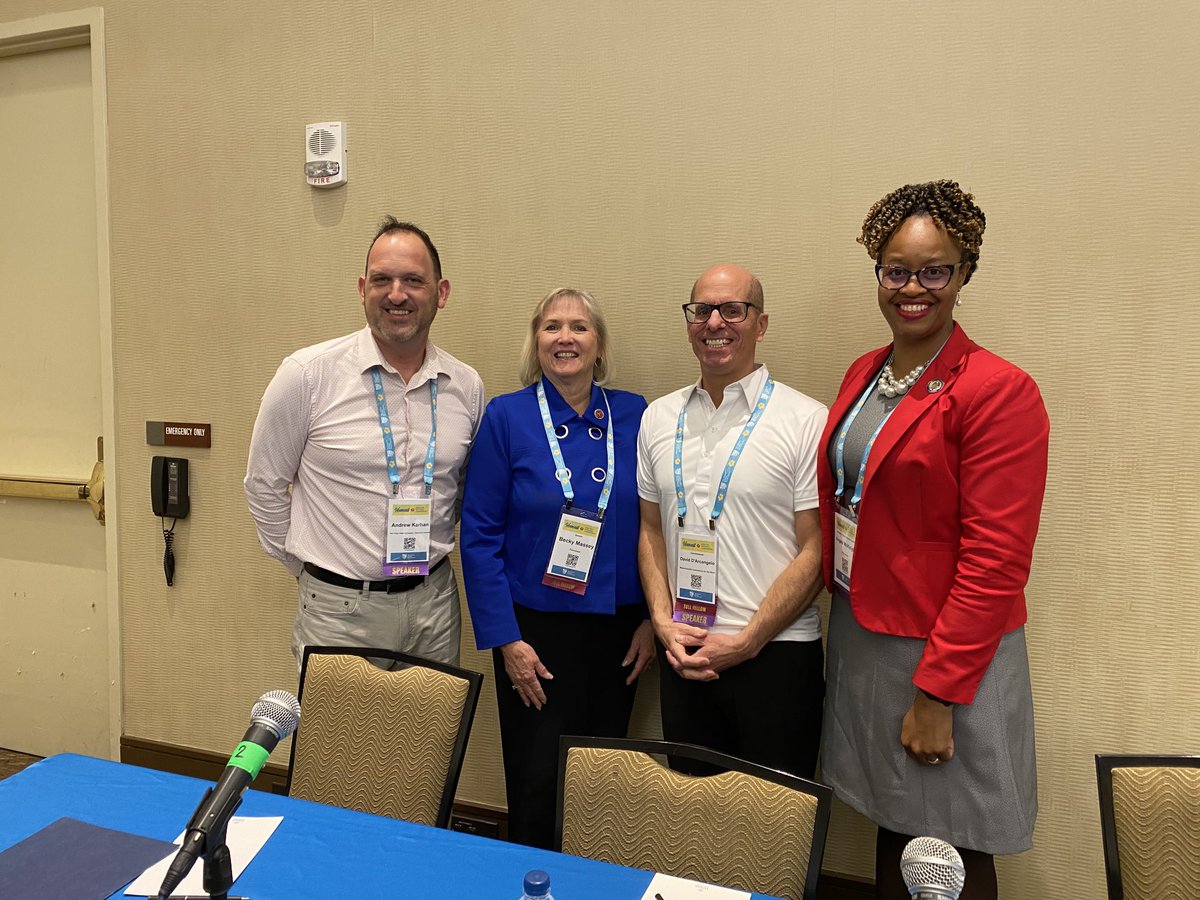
(357,462)
(730,548)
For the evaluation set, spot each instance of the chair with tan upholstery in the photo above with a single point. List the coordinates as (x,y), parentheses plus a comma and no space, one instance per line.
(379,741)
(750,828)
(1150,820)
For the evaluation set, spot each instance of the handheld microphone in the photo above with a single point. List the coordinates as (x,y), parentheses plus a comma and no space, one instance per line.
(274,717)
(932,869)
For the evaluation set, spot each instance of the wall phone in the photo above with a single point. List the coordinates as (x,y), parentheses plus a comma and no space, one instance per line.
(169,496)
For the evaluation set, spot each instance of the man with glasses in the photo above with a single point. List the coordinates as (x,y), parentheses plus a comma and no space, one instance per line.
(730,547)
(357,460)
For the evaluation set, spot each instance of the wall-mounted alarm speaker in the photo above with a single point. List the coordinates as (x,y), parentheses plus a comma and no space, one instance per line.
(325,154)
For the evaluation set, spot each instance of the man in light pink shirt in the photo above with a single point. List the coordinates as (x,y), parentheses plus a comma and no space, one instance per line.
(346,429)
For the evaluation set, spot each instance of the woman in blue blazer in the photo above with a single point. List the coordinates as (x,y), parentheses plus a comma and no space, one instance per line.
(549,551)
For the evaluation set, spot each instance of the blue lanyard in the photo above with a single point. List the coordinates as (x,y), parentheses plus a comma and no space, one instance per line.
(845,429)
(840,455)
(734,455)
(389,446)
(560,467)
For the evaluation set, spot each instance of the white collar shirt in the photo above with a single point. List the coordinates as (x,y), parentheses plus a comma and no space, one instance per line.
(775,477)
(317,480)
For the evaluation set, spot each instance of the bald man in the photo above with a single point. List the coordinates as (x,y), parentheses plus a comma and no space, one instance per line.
(730,544)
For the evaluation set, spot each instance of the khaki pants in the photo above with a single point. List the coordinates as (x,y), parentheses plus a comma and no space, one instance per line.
(424,622)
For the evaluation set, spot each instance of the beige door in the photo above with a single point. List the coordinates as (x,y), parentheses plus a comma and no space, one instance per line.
(58,690)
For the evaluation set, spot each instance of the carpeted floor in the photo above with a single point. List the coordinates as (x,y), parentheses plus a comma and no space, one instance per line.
(11,763)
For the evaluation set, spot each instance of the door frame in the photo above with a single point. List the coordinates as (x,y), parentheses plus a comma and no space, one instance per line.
(85,27)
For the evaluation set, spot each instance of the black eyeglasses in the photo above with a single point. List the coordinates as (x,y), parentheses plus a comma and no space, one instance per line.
(932,278)
(731,311)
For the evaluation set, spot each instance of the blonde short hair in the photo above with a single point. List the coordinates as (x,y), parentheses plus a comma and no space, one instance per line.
(531,369)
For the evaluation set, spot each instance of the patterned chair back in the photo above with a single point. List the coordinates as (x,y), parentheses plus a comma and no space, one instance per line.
(737,829)
(1150,819)
(384,742)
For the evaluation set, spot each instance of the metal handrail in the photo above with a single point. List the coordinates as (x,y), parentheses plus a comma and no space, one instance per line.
(90,491)
(42,488)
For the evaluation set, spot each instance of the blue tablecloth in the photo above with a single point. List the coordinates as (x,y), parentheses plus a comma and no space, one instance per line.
(317,852)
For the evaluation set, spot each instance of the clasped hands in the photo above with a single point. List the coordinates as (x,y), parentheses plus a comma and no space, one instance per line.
(698,654)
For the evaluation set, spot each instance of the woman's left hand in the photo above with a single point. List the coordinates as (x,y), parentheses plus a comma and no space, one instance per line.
(641,651)
(928,731)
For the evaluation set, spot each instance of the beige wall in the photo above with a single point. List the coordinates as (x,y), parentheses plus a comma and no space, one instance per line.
(622,147)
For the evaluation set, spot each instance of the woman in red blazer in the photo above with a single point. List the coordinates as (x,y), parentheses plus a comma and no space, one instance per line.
(930,498)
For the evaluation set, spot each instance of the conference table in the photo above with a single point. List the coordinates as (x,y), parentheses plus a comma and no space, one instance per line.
(318,851)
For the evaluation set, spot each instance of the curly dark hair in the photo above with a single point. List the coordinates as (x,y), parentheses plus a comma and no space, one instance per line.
(943,201)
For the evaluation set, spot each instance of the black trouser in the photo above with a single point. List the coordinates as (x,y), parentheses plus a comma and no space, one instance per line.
(766,710)
(588,696)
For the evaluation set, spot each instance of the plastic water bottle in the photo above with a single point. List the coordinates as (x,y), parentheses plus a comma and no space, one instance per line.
(537,886)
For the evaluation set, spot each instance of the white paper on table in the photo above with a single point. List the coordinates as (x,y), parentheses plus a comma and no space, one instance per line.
(668,887)
(244,837)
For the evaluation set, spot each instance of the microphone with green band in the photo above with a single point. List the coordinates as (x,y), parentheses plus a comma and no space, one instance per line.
(274,717)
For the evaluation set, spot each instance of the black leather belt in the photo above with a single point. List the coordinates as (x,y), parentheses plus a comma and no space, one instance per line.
(390,585)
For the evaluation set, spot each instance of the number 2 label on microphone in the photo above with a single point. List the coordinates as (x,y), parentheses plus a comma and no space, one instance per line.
(249,757)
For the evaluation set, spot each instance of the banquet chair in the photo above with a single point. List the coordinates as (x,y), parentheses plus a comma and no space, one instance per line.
(378,741)
(751,828)
(1150,821)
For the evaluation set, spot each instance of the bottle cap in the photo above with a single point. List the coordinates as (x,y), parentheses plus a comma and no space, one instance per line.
(537,883)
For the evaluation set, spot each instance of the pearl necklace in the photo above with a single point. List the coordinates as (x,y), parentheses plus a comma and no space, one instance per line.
(891,386)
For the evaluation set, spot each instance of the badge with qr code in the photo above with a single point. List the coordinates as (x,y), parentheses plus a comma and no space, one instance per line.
(574,550)
(408,526)
(696,578)
(845,531)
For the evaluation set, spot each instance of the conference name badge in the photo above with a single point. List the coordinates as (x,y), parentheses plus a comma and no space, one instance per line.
(696,579)
(408,526)
(573,552)
(844,533)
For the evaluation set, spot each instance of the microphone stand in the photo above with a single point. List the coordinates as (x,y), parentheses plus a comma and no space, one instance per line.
(218,866)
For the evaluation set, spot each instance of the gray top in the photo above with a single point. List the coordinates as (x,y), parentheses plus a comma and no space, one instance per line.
(874,411)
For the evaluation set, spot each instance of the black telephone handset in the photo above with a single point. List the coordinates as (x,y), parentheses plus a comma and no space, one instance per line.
(169,497)
(169,487)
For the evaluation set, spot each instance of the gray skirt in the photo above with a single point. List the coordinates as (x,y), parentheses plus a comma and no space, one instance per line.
(985,798)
